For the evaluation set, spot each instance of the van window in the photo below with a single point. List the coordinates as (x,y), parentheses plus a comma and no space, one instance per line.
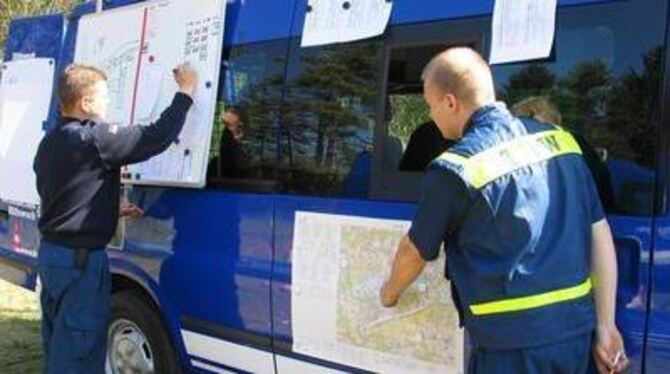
(329,118)
(603,76)
(605,81)
(408,139)
(244,148)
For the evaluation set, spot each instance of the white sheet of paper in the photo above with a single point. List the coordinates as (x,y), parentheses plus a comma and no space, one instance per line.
(148,90)
(328,21)
(522,30)
(25,98)
(13,109)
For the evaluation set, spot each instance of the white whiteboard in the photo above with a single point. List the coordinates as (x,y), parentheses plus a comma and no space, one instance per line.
(25,98)
(138,46)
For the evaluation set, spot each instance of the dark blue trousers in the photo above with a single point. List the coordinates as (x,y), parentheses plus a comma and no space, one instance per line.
(572,356)
(75,310)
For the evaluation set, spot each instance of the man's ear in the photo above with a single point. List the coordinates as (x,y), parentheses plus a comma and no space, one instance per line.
(449,101)
(84,104)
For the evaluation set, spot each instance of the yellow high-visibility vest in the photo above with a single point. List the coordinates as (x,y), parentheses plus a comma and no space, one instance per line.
(495,162)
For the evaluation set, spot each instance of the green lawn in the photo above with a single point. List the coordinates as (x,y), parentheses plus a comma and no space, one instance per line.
(20,344)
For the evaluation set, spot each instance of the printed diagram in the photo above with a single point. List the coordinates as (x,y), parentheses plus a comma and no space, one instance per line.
(120,70)
(198,35)
(99,46)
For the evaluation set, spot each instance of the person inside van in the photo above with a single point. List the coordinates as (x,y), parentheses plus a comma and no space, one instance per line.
(230,152)
(425,144)
(543,110)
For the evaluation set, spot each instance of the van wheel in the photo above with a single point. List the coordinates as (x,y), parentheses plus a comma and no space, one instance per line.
(137,342)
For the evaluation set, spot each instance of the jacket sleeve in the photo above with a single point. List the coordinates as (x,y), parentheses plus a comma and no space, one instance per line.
(442,207)
(119,146)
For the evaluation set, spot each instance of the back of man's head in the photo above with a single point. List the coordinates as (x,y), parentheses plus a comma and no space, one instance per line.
(463,73)
(539,108)
(75,82)
(240,112)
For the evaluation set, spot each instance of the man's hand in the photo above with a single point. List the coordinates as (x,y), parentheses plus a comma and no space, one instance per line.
(186,78)
(407,265)
(386,297)
(607,345)
(130,210)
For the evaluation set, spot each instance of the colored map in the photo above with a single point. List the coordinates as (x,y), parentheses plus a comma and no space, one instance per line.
(339,265)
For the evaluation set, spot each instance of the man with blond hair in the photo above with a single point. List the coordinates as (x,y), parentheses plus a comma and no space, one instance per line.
(78,179)
(529,252)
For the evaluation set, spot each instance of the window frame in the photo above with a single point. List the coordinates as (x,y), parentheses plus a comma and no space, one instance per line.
(393,184)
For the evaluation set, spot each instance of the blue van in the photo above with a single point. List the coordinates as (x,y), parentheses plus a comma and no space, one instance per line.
(203,282)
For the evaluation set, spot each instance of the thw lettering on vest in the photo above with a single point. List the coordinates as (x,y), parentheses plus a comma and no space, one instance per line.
(551,143)
(493,163)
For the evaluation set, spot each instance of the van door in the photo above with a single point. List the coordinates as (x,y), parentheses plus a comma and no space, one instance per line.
(217,242)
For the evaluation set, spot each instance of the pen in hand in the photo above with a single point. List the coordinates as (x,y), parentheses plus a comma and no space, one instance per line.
(616,361)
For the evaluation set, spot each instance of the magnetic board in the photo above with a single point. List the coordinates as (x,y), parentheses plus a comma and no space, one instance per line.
(137,47)
(25,98)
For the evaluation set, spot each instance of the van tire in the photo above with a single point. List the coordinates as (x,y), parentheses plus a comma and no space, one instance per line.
(133,314)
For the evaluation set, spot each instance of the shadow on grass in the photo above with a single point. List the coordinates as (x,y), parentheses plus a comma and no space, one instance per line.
(20,345)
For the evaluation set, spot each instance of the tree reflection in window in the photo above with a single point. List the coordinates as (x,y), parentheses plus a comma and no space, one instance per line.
(328,120)
(616,114)
(252,80)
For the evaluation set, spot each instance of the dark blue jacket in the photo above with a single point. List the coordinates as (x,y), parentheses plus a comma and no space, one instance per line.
(78,173)
(525,233)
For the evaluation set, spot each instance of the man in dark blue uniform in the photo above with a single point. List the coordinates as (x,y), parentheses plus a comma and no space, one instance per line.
(528,249)
(78,180)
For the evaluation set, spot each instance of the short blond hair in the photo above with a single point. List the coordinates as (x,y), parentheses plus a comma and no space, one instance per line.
(75,82)
(539,108)
(462,72)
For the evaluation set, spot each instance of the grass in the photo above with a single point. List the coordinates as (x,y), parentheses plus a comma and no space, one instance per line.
(20,342)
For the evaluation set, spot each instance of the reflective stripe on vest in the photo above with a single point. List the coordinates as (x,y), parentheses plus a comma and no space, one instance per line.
(491,164)
(534,301)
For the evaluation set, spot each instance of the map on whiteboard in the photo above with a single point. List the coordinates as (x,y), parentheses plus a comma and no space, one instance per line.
(339,264)
(137,47)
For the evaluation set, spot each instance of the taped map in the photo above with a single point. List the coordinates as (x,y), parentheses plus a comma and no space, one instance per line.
(339,265)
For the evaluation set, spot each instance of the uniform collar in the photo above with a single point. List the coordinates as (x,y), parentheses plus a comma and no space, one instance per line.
(64,120)
(486,115)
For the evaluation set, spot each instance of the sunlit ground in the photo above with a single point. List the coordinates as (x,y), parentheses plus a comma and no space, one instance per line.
(20,345)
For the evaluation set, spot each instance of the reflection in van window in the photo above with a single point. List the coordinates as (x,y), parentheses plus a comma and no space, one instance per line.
(328,124)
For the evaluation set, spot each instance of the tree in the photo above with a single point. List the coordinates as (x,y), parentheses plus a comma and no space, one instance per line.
(321,117)
(330,100)
(632,106)
(409,112)
(613,112)
(10,9)
(589,84)
(532,80)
